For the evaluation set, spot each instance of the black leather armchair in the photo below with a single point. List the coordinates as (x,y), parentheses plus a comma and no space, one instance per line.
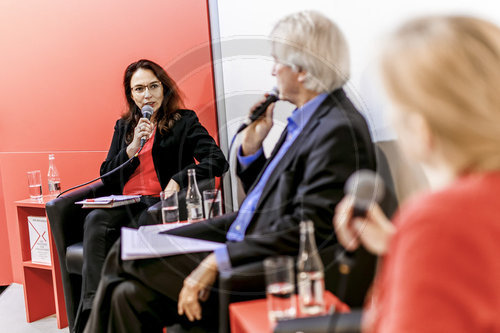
(66,222)
(247,282)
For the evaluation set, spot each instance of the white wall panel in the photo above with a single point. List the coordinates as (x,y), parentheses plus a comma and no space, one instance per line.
(245,63)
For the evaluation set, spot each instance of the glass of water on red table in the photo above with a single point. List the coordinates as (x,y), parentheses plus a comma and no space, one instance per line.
(280,288)
(35,184)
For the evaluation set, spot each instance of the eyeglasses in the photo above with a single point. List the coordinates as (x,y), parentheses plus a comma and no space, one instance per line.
(153,87)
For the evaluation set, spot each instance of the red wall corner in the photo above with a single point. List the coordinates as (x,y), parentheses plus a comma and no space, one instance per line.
(61,89)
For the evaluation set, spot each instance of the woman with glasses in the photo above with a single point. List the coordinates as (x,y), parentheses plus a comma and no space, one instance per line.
(440,267)
(173,137)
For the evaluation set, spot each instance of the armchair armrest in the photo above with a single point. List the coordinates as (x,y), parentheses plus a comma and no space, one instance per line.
(66,218)
(66,224)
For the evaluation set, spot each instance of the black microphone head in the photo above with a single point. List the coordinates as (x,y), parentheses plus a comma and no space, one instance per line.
(366,187)
(147,111)
(272,96)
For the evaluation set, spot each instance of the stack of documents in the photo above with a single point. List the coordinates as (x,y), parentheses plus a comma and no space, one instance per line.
(148,242)
(109,201)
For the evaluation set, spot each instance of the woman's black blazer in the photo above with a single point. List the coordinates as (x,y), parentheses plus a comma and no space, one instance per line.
(173,154)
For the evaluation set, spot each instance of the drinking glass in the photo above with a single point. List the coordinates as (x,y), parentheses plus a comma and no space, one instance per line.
(35,184)
(280,288)
(169,207)
(212,203)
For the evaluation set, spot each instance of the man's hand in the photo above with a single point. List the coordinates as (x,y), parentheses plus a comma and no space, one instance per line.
(256,132)
(373,231)
(197,287)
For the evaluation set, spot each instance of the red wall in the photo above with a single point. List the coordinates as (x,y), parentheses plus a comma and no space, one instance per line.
(61,91)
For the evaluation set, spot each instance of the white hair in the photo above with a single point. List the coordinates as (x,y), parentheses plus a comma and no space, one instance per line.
(310,41)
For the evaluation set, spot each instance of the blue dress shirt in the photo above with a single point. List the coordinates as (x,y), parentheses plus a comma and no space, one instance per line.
(296,123)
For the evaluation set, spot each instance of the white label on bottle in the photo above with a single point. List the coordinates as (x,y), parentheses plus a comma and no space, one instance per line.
(54,186)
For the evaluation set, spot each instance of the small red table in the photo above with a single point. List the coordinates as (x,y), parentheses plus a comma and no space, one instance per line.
(251,316)
(43,290)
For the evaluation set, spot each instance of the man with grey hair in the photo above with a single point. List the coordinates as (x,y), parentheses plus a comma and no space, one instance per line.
(310,42)
(325,141)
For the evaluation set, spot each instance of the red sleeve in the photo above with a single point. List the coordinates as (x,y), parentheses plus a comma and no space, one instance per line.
(433,280)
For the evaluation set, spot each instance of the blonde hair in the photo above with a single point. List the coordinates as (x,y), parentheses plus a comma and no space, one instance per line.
(448,70)
(310,41)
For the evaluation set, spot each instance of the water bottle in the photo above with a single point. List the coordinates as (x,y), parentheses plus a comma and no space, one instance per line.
(193,198)
(53,177)
(310,273)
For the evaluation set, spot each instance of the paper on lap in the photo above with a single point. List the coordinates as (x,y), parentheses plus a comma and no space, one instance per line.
(147,242)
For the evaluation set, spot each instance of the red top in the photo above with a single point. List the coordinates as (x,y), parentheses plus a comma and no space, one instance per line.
(144,180)
(442,270)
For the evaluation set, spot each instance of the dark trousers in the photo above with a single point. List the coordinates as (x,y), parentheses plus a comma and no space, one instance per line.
(141,295)
(101,230)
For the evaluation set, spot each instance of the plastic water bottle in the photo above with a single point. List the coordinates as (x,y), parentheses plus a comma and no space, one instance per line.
(193,198)
(53,177)
(310,273)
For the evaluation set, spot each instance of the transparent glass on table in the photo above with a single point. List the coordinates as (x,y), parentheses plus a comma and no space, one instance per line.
(35,184)
(169,207)
(212,203)
(280,288)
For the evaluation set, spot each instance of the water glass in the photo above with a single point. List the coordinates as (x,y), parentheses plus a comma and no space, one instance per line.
(212,203)
(169,207)
(35,184)
(280,288)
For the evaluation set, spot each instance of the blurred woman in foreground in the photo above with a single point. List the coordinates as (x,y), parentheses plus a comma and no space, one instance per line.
(441,271)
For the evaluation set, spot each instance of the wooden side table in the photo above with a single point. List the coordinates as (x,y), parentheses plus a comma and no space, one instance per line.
(43,291)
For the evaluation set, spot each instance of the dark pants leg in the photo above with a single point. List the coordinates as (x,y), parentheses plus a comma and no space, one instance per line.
(133,301)
(141,295)
(101,230)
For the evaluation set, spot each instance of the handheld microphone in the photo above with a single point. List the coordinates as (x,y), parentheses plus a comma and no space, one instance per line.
(261,109)
(147,112)
(366,187)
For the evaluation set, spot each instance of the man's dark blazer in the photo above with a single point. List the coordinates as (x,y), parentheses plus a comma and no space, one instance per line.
(305,185)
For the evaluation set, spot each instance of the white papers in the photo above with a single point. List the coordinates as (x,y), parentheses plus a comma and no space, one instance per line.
(147,242)
(39,240)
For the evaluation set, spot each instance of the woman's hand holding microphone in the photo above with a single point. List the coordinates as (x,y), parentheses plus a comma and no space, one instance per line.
(374,231)
(143,129)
